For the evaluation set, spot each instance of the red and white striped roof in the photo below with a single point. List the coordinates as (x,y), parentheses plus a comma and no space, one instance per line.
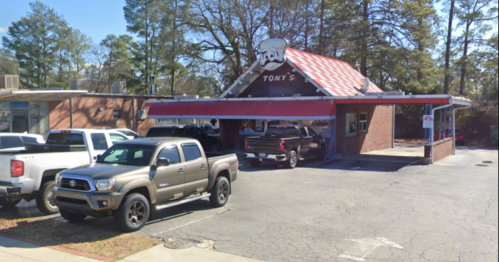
(336,77)
(331,76)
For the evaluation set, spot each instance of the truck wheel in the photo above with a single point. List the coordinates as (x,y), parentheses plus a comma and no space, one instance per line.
(8,203)
(293,160)
(45,198)
(133,213)
(255,162)
(220,192)
(72,217)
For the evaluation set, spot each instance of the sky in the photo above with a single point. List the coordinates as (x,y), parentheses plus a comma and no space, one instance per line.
(95,18)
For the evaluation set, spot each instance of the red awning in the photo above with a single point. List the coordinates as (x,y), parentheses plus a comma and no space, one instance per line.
(250,110)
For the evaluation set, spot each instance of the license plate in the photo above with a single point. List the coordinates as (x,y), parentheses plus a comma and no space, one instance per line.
(262,155)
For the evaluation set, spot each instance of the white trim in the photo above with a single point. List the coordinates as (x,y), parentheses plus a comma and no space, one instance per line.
(313,98)
(244,117)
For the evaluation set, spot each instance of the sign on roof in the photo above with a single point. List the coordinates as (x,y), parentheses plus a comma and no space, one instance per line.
(272,53)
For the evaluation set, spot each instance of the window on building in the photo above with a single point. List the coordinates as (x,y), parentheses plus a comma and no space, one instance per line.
(351,124)
(363,122)
(116,114)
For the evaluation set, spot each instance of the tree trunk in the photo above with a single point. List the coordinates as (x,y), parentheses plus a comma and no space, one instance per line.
(364,41)
(174,46)
(464,69)
(147,51)
(321,30)
(447,50)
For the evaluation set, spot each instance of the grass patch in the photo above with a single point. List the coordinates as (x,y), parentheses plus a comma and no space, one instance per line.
(76,236)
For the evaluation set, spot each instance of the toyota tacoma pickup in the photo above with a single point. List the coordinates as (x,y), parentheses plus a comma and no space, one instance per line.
(135,177)
(287,145)
(30,173)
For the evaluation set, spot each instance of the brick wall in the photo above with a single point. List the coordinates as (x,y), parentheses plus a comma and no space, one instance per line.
(380,129)
(87,115)
(442,149)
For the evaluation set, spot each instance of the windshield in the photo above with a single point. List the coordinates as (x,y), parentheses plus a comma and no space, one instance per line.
(128,155)
(281,132)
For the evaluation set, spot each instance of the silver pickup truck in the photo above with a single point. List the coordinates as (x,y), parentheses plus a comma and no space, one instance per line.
(30,173)
(134,177)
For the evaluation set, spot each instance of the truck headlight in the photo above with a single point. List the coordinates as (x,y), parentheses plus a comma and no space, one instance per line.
(105,184)
(58,178)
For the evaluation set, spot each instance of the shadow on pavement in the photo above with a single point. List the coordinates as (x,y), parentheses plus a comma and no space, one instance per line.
(372,163)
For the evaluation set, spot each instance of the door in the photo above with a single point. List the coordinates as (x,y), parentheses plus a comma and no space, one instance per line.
(196,168)
(314,147)
(20,117)
(170,181)
(305,142)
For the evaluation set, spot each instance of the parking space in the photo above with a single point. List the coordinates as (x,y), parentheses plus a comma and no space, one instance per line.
(444,212)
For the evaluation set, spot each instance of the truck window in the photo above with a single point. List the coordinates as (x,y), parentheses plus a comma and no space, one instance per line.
(115,138)
(30,140)
(130,155)
(65,139)
(11,142)
(283,132)
(164,132)
(304,132)
(172,154)
(99,141)
(191,152)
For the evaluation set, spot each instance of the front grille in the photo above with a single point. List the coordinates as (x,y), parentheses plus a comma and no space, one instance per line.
(78,184)
(72,200)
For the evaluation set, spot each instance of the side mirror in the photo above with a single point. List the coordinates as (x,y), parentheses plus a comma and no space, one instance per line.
(163,162)
(97,157)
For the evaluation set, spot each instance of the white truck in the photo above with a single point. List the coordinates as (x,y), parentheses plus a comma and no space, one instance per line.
(30,174)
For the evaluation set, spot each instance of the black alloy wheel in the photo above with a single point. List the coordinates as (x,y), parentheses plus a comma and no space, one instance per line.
(220,193)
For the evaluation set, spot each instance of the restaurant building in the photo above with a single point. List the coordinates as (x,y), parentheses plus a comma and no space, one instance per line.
(290,87)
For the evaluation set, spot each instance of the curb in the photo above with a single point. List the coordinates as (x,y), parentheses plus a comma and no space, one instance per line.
(60,249)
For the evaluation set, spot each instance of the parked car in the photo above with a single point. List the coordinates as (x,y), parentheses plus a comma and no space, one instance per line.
(15,141)
(460,139)
(32,170)
(130,178)
(286,144)
(127,132)
(210,143)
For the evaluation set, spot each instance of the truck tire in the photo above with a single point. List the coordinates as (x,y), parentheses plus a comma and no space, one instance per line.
(45,198)
(71,216)
(292,160)
(133,213)
(255,162)
(8,203)
(220,192)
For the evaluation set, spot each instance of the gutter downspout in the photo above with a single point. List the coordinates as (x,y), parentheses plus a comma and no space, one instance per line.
(433,130)
(134,115)
(71,113)
(393,132)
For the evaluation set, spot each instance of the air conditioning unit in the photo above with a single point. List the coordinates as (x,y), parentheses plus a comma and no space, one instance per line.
(142,115)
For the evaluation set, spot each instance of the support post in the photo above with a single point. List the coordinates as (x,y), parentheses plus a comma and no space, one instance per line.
(393,131)
(134,114)
(454,129)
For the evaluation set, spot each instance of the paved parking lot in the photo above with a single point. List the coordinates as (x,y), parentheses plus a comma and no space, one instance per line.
(349,211)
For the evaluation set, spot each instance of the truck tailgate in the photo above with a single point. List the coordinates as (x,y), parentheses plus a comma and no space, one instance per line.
(5,167)
(263,144)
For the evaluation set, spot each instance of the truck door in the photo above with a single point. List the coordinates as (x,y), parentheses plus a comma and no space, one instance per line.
(169,181)
(196,168)
(305,142)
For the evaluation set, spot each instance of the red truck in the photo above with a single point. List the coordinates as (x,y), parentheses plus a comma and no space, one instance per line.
(448,133)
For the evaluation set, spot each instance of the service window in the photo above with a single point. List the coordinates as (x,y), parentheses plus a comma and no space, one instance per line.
(10,142)
(191,152)
(172,154)
(115,138)
(99,141)
(363,122)
(351,125)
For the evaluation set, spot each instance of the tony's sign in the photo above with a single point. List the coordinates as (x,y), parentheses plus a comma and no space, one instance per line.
(272,53)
